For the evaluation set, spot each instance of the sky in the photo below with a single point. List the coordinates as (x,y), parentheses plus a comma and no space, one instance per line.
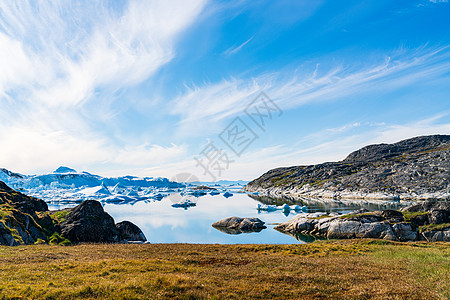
(216,89)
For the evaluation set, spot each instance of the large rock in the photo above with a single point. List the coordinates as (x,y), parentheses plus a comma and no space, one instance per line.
(236,225)
(439,216)
(19,217)
(437,236)
(88,222)
(26,220)
(387,224)
(130,232)
(392,216)
(404,232)
(348,229)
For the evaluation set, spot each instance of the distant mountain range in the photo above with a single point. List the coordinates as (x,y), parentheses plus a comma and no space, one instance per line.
(68,184)
(417,168)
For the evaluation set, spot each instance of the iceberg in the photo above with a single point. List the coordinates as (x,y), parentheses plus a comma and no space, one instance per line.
(285,208)
(227,194)
(68,185)
(184,204)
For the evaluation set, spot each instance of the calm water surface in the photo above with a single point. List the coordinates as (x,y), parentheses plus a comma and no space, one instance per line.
(162,223)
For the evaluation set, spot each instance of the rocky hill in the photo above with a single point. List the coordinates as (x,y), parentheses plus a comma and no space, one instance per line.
(27,220)
(417,168)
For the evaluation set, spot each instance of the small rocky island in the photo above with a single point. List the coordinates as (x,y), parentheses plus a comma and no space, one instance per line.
(413,169)
(27,220)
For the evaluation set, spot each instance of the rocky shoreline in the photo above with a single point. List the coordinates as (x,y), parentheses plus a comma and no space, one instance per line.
(428,221)
(308,192)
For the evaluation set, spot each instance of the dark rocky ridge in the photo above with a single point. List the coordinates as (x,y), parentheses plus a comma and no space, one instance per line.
(417,168)
(27,220)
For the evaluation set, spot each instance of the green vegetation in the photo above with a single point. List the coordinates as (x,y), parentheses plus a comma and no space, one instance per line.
(434,227)
(318,182)
(57,239)
(59,216)
(442,148)
(321,217)
(350,269)
(408,215)
(283,179)
(357,215)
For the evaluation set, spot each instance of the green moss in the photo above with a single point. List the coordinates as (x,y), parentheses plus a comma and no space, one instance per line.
(60,216)
(58,239)
(39,242)
(408,215)
(4,213)
(321,217)
(318,182)
(282,179)
(434,227)
(13,231)
(357,215)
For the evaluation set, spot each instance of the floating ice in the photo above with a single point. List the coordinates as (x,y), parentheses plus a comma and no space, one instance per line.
(185,204)
(67,185)
(227,194)
(284,208)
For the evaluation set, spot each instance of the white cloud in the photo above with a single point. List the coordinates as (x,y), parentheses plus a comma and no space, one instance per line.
(333,147)
(68,60)
(56,56)
(235,49)
(149,155)
(204,107)
(26,149)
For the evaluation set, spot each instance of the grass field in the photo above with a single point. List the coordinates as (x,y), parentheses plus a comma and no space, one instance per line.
(326,269)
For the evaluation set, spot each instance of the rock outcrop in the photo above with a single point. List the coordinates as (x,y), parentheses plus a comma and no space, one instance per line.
(236,225)
(130,232)
(20,217)
(88,222)
(27,220)
(388,225)
(417,168)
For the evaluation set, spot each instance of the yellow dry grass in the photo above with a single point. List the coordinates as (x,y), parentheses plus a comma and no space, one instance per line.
(321,270)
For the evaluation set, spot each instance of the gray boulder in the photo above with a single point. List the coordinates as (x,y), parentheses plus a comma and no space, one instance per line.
(236,225)
(130,232)
(392,216)
(343,229)
(88,222)
(404,232)
(420,220)
(439,216)
(437,236)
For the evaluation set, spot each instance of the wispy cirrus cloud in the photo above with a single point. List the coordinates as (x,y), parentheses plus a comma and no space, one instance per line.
(58,56)
(332,146)
(235,49)
(205,106)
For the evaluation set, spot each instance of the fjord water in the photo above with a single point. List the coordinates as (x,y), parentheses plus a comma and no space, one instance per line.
(162,223)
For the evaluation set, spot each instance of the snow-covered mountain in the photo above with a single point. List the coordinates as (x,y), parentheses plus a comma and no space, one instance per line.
(66,184)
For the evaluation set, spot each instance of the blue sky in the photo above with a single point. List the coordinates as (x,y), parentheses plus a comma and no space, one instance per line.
(145,87)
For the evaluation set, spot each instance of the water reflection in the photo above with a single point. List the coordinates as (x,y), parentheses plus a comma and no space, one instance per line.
(236,230)
(334,205)
(162,223)
(303,238)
